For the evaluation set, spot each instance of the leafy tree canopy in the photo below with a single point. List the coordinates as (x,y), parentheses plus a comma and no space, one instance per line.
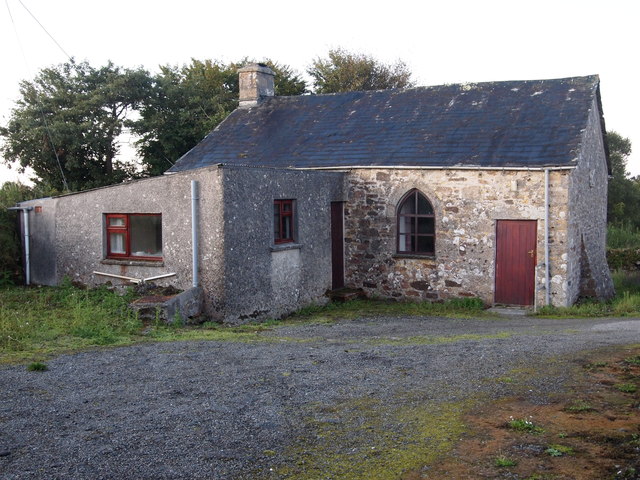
(67,122)
(188,102)
(624,192)
(344,71)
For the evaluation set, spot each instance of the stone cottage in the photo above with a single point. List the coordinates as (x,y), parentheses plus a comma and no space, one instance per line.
(496,190)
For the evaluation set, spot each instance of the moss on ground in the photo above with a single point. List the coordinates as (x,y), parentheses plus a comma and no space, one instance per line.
(366,438)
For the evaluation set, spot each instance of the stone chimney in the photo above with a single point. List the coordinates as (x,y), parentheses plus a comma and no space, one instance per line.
(256,83)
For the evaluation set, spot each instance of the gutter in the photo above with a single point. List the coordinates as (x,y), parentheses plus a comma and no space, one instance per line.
(27,240)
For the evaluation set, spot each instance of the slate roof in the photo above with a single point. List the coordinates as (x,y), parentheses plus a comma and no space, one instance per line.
(533,123)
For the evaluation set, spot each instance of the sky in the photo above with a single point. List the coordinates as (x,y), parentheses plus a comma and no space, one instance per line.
(440,41)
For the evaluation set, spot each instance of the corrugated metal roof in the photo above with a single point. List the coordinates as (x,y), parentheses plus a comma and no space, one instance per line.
(533,123)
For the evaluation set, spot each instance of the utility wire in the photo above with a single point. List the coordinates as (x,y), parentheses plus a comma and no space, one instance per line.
(40,106)
(45,31)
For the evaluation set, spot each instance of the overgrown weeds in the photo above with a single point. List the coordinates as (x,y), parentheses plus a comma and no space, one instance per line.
(42,321)
(625,303)
(623,236)
(454,307)
(46,319)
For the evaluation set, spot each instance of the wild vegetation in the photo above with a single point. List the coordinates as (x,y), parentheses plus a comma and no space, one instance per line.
(36,322)
(625,303)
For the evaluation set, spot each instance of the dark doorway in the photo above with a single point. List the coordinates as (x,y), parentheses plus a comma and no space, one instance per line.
(337,245)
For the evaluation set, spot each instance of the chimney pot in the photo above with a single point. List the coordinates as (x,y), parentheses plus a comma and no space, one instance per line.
(256,83)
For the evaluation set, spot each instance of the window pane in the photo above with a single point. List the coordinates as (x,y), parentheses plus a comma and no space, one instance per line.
(116,243)
(408,225)
(116,222)
(409,205)
(425,244)
(286,228)
(404,244)
(146,235)
(283,221)
(424,207)
(425,225)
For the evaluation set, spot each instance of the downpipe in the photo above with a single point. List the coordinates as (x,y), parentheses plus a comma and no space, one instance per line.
(195,198)
(27,241)
(547,280)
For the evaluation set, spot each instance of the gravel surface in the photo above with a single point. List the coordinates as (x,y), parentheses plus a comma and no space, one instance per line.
(234,410)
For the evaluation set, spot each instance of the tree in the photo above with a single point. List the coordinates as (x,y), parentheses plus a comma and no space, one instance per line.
(10,252)
(67,123)
(624,192)
(188,102)
(344,71)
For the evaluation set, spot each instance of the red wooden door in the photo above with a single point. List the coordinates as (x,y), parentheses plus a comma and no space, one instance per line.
(337,245)
(515,261)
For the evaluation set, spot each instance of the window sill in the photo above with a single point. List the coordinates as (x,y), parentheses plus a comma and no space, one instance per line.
(281,247)
(414,256)
(133,263)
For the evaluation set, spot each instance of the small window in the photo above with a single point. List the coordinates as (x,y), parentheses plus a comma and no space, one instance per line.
(416,225)
(135,236)
(283,221)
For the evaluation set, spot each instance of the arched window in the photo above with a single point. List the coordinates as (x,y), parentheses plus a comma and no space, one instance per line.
(416,225)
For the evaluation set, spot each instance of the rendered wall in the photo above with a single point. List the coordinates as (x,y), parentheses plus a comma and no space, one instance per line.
(467,204)
(42,229)
(264,280)
(73,229)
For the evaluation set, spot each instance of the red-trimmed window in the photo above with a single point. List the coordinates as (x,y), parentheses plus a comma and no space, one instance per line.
(283,221)
(416,225)
(134,235)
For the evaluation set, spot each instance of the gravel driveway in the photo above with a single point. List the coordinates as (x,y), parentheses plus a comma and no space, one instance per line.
(267,408)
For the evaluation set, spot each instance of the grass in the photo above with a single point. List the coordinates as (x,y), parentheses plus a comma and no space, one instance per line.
(37,367)
(635,360)
(625,303)
(524,425)
(558,450)
(579,406)
(623,236)
(454,307)
(626,387)
(504,462)
(42,320)
(37,322)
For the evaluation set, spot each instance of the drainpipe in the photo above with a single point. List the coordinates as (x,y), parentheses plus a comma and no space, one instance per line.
(547,280)
(27,237)
(194,229)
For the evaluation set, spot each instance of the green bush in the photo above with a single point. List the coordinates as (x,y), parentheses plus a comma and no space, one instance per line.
(623,258)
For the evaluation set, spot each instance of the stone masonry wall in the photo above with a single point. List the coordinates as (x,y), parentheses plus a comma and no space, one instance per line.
(467,204)
(589,274)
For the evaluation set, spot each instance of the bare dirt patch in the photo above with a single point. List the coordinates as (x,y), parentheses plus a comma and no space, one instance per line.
(590,432)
